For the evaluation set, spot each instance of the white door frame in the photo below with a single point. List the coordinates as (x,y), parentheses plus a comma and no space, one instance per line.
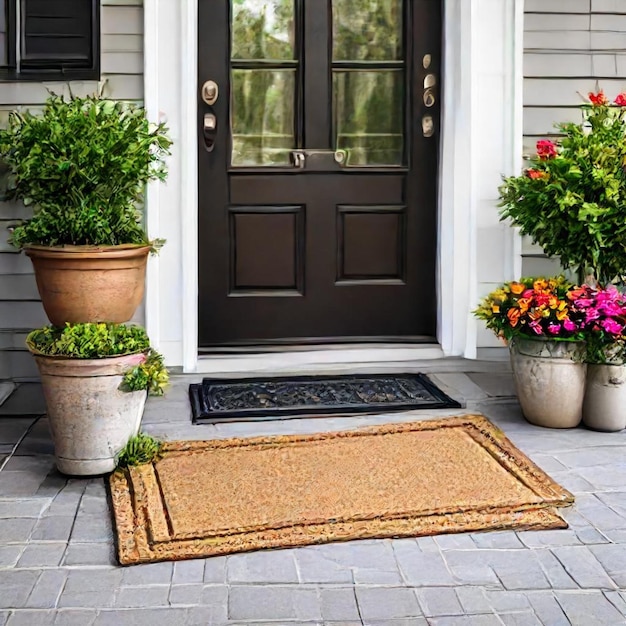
(474,30)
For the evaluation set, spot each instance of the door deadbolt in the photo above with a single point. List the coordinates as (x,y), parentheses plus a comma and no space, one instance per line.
(429,98)
(210,92)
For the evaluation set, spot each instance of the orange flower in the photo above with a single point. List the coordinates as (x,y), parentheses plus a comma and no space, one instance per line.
(517,288)
(513,315)
(524,304)
(495,308)
(540,285)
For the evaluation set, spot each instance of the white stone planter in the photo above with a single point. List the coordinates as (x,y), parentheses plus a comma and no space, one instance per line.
(605,398)
(90,418)
(550,381)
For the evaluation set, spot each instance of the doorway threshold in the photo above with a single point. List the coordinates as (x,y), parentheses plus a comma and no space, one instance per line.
(320,359)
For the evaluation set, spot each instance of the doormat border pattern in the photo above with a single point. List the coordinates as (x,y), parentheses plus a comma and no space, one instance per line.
(144,532)
(204,411)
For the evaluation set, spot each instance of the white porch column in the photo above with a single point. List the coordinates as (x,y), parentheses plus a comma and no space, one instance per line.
(482,138)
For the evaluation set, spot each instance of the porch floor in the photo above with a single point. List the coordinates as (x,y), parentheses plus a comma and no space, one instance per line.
(57,559)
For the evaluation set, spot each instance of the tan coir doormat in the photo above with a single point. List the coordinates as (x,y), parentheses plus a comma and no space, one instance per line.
(206,498)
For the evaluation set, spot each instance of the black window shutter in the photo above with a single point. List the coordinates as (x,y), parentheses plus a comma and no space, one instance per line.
(60,35)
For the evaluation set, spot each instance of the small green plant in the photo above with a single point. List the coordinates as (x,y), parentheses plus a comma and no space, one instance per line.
(99,341)
(83,165)
(151,375)
(139,450)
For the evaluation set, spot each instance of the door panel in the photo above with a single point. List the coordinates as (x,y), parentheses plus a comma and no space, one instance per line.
(317,214)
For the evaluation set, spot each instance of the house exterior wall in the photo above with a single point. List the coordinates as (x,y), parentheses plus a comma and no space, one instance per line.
(571,47)
(122,68)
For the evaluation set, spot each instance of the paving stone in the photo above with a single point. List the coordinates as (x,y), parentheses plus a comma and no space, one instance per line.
(439,601)
(338,604)
(31,618)
(75,617)
(473,600)
(93,505)
(17,529)
(549,538)
(584,609)
(518,569)
(215,569)
(103,599)
(423,569)
(617,599)
(598,514)
(261,602)
(314,566)
(186,594)
(90,554)
(47,589)
(53,528)
(613,560)
(414,621)
(142,597)
(42,555)
(573,482)
(581,564)
(554,570)
(9,555)
(149,574)
(272,566)
(505,601)
(12,430)
(497,540)
(4,616)
(548,463)
(188,571)
(24,507)
(79,581)
(23,484)
(547,608)
(215,597)
(471,568)
(387,603)
(67,500)
(605,477)
(425,544)
(142,617)
(213,616)
(456,541)
(52,485)
(96,528)
(15,587)
(465,620)
(526,618)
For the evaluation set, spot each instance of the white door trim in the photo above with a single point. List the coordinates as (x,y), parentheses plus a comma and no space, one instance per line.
(170,66)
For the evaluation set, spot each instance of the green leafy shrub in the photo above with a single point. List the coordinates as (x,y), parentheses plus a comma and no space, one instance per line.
(101,340)
(139,450)
(83,165)
(572,198)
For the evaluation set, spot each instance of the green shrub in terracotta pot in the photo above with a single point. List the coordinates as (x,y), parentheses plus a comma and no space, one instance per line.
(83,164)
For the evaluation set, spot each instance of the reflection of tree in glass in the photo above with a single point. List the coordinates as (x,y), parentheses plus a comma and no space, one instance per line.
(369,104)
(262,100)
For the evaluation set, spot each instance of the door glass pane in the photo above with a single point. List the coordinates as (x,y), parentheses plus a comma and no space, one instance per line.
(3,34)
(262,29)
(263,116)
(369,116)
(367,30)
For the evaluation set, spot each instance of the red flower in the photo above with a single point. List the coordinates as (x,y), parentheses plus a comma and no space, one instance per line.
(546,149)
(535,174)
(620,101)
(598,99)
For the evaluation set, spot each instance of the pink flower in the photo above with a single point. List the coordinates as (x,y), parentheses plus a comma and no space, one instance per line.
(620,101)
(612,327)
(528,293)
(583,303)
(569,326)
(591,315)
(554,329)
(536,326)
(546,149)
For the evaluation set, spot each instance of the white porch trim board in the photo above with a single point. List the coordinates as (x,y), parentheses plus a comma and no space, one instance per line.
(482,138)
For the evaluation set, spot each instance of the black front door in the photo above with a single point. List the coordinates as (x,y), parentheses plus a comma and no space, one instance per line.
(318,169)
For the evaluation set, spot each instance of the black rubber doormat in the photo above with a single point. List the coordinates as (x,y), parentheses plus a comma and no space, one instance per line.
(216,400)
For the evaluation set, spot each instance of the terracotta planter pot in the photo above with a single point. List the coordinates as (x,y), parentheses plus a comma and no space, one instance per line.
(605,398)
(549,380)
(90,417)
(89,284)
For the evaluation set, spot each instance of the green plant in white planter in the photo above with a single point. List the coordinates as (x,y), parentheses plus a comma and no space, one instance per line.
(95,380)
(83,164)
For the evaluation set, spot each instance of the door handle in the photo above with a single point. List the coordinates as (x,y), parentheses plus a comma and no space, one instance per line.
(210,92)
(298,159)
(209,130)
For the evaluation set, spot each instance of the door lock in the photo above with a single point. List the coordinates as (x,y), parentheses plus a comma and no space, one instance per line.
(298,158)
(210,92)
(209,130)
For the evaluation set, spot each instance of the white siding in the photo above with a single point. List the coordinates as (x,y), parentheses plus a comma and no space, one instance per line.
(122,68)
(571,48)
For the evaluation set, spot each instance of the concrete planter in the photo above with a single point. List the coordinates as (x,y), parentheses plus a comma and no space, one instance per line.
(90,418)
(550,381)
(89,284)
(605,398)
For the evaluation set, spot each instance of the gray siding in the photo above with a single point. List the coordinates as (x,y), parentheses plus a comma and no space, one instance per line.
(570,47)
(122,68)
